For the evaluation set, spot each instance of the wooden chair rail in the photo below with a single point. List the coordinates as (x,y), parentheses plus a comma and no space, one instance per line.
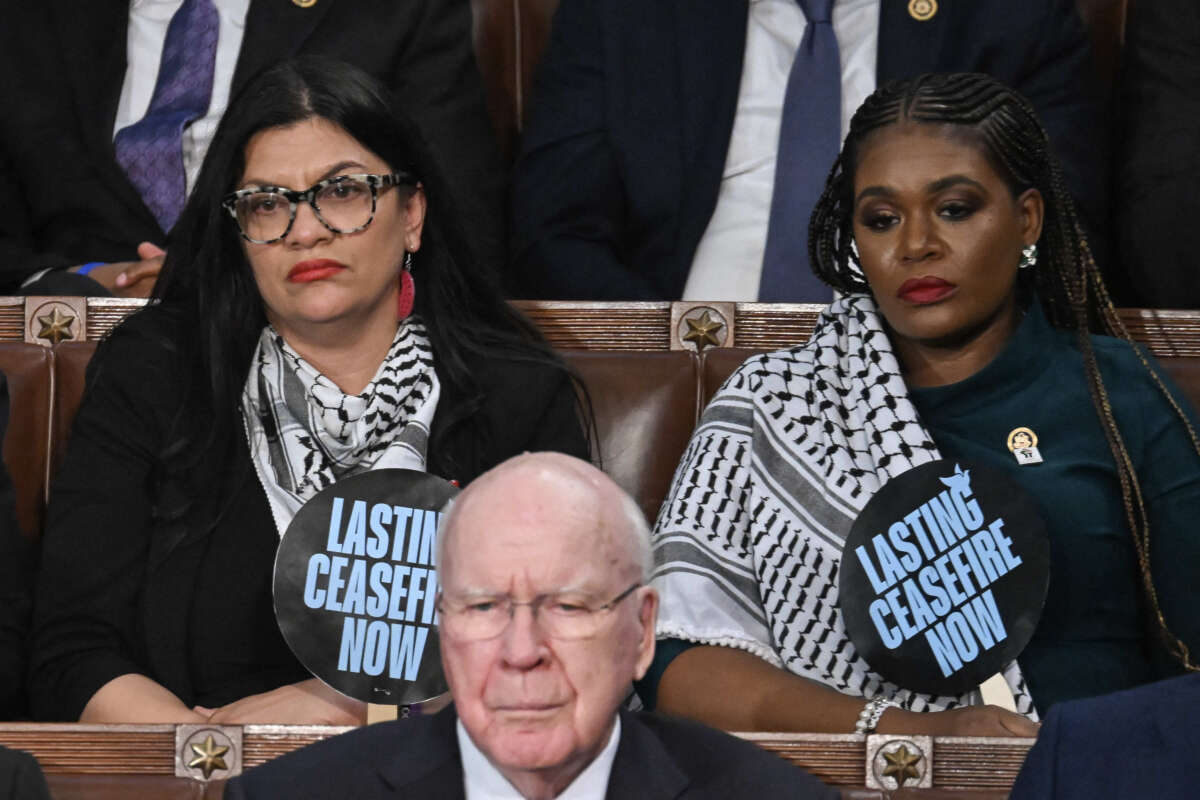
(945,763)
(584,325)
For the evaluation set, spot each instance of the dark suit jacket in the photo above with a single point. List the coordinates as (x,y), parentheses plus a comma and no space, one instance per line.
(1159,167)
(64,200)
(1136,743)
(123,590)
(21,777)
(658,758)
(17,565)
(634,103)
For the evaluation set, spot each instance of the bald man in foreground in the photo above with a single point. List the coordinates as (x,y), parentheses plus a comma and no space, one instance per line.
(546,619)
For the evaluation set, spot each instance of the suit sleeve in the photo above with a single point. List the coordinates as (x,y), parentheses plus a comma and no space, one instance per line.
(550,416)
(21,776)
(561,428)
(1035,781)
(19,256)
(85,626)
(1159,165)
(234,790)
(568,206)
(438,82)
(1060,81)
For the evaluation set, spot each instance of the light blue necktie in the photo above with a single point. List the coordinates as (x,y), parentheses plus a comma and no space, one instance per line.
(809,137)
(151,149)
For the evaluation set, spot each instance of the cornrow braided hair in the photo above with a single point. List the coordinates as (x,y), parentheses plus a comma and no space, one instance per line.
(1066,279)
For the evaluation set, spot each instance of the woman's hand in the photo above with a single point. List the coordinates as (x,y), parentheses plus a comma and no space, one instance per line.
(136,698)
(736,691)
(967,721)
(308,702)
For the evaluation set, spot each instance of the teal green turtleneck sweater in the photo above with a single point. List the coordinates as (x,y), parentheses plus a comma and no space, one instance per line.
(1095,635)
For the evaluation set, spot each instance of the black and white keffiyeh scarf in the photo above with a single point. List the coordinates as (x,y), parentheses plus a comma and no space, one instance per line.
(305,433)
(749,541)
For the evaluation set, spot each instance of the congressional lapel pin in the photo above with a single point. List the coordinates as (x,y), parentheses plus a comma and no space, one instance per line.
(922,10)
(1023,444)
(311,3)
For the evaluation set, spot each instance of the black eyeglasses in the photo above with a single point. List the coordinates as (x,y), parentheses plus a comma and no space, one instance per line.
(343,204)
(561,616)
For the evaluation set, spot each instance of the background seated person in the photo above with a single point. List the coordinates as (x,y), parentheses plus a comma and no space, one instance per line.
(954,330)
(115,104)
(21,776)
(1157,728)
(546,617)
(282,357)
(675,150)
(1159,160)
(17,566)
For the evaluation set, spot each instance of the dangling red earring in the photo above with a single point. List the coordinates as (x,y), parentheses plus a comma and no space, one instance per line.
(408,291)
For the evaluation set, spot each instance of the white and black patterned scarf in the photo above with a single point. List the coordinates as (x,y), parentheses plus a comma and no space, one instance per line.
(305,433)
(749,541)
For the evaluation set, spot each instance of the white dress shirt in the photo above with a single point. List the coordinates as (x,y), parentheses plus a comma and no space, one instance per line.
(728,260)
(482,781)
(148,21)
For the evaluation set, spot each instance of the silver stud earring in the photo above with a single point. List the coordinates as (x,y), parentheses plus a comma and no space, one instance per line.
(1028,257)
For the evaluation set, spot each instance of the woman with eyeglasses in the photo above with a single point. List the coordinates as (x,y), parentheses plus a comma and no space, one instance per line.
(319,316)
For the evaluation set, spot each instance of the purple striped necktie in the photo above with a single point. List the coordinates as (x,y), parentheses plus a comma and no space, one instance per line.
(151,149)
(809,137)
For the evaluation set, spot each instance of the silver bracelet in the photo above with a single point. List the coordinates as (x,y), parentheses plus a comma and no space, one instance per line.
(868,718)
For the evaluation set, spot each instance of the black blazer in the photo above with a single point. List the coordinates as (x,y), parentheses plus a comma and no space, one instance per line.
(658,758)
(21,776)
(633,108)
(119,588)
(1147,735)
(64,200)
(1159,164)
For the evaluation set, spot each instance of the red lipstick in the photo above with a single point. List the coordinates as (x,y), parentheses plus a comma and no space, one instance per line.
(924,290)
(314,269)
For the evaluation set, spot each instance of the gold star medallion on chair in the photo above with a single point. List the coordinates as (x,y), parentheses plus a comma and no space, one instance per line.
(209,757)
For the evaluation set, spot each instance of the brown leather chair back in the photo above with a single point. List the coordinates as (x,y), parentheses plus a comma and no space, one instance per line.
(131,787)
(27,439)
(1105,21)
(509,37)
(645,408)
(1185,371)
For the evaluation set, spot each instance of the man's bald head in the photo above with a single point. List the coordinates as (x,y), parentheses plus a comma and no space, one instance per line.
(546,617)
(554,485)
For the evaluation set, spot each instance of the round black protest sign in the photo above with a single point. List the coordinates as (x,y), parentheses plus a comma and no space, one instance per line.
(943,576)
(356,584)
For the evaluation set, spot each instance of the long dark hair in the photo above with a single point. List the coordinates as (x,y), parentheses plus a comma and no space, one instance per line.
(207,285)
(1066,281)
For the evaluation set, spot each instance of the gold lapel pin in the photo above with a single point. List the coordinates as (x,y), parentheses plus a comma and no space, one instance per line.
(1022,442)
(311,3)
(922,10)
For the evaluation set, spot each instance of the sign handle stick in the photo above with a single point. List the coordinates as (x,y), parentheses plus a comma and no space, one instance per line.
(996,692)
(381,713)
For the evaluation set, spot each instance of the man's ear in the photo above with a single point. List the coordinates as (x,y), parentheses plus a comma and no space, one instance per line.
(647,616)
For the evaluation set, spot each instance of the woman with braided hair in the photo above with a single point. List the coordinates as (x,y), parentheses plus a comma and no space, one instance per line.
(969,309)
